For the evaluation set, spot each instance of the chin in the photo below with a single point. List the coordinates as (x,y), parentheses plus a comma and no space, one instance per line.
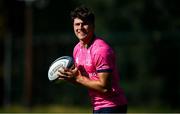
(82,37)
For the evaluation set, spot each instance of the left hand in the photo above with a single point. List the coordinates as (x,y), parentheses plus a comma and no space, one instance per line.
(68,74)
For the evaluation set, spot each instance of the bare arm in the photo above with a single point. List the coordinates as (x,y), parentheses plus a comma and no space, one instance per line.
(103,84)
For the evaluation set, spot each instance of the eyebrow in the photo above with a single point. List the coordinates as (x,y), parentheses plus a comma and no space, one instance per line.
(84,23)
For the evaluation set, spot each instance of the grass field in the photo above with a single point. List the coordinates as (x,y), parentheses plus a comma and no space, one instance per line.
(80,109)
(45,109)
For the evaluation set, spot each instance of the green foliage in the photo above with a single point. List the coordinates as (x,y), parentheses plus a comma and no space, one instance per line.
(144,34)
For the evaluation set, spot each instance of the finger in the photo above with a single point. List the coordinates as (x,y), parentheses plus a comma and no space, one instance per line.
(72,67)
(65,76)
(61,70)
(60,78)
(61,74)
(66,69)
(75,69)
(69,73)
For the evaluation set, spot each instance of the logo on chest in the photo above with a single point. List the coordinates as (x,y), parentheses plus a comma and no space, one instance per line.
(86,62)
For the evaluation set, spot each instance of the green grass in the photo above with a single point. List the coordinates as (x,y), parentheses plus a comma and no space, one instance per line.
(45,109)
(152,109)
(80,109)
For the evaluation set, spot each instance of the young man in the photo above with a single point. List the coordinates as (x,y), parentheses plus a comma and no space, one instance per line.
(95,66)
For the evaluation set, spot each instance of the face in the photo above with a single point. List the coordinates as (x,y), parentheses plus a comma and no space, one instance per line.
(83,30)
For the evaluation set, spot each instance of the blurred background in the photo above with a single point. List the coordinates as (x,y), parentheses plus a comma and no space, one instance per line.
(144,33)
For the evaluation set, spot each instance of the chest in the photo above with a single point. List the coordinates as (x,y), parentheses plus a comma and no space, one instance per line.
(84,58)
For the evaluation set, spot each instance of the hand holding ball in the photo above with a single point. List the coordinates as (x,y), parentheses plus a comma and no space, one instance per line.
(64,61)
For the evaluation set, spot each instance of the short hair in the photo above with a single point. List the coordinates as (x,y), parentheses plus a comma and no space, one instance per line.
(84,14)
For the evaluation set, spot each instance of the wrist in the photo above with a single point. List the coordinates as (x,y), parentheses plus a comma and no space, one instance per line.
(79,78)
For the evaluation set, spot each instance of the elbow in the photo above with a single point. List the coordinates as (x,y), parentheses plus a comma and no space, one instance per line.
(105,90)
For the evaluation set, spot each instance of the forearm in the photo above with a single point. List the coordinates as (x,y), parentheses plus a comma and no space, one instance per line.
(103,84)
(92,84)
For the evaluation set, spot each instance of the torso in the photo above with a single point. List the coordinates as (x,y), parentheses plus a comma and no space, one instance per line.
(92,60)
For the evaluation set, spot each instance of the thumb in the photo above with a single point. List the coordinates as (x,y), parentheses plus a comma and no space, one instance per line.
(76,71)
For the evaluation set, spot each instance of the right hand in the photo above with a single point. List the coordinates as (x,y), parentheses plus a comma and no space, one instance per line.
(68,74)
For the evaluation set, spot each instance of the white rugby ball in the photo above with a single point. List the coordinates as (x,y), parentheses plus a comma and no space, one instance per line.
(64,61)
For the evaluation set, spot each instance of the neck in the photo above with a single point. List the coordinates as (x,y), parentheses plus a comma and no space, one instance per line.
(88,42)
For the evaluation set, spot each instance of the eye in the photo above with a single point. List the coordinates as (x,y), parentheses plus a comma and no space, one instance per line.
(85,23)
(76,24)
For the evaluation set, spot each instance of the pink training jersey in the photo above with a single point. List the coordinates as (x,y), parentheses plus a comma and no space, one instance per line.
(99,57)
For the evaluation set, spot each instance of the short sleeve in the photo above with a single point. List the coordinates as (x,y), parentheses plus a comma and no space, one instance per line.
(104,60)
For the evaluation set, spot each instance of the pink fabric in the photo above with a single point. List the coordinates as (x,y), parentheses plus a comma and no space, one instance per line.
(99,57)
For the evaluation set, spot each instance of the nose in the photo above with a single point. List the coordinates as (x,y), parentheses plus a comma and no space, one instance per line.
(80,26)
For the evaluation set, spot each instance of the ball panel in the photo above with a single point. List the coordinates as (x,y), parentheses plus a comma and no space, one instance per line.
(55,66)
(64,61)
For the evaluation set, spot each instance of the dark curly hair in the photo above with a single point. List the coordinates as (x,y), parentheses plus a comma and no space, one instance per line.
(84,14)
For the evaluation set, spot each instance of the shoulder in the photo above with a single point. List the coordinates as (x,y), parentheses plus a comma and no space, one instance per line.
(76,48)
(102,54)
(100,41)
(101,46)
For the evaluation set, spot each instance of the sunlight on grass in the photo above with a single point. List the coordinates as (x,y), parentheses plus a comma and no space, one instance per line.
(80,109)
(45,109)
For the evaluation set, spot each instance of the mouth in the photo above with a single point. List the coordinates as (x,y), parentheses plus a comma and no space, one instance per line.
(81,33)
